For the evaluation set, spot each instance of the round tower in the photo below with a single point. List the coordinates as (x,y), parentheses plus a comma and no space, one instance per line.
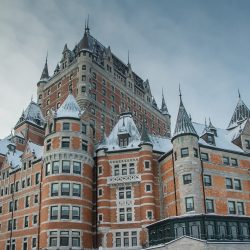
(187,165)
(66,199)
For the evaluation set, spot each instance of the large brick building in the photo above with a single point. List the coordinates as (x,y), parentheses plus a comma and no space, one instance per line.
(93,164)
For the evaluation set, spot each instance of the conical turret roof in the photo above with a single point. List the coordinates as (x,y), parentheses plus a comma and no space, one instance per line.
(240,114)
(183,123)
(164,108)
(84,43)
(45,73)
(69,108)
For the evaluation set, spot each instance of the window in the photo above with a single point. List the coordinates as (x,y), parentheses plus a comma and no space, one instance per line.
(196,152)
(54,189)
(240,208)
(55,167)
(125,239)
(204,156)
(65,166)
(17,186)
(64,238)
(100,192)
(100,217)
(184,152)
(83,78)
(99,170)
(210,206)
(36,198)
(207,180)
(48,169)
(54,212)
(189,204)
(28,182)
(35,219)
(225,160)
(237,184)
(146,165)
(75,239)
(247,144)
(26,221)
(75,213)
(48,145)
(76,167)
(76,190)
(9,225)
(210,139)
(65,142)
(64,212)
(27,201)
(125,214)
(58,94)
(66,126)
(229,183)
(149,215)
(84,129)
(65,189)
(84,145)
(231,207)
(187,178)
(124,192)
(234,162)
(37,178)
(53,239)
(148,188)
(33,242)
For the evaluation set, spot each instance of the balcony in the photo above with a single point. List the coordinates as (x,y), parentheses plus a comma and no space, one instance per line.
(121,179)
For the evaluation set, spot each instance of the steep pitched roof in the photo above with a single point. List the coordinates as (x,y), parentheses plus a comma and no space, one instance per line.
(69,108)
(84,43)
(45,73)
(241,113)
(33,114)
(164,108)
(183,124)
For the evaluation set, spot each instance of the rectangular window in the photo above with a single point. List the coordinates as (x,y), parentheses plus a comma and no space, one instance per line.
(187,178)
(149,215)
(240,208)
(84,129)
(76,190)
(26,221)
(64,238)
(17,186)
(234,162)
(146,165)
(64,212)
(100,192)
(28,182)
(148,188)
(65,142)
(54,212)
(229,183)
(48,169)
(36,198)
(237,184)
(48,145)
(84,145)
(210,206)
(75,239)
(225,160)
(196,152)
(65,189)
(189,204)
(231,207)
(247,144)
(33,242)
(99,170)
(27,201)
(204,156)
(55,167)
(76,167)
(207,180)
(53,239)
(34,219)
(65,166)
(9,225)
(75,213)
(118,240)
(54,189)
(66,126)
(37,178)
(184,152)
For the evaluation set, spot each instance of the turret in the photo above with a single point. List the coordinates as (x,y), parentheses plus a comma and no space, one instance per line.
(164,111)
(188,168)
(42,82)
(66,199)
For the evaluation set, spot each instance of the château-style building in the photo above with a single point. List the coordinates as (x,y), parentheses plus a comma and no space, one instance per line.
(93,164)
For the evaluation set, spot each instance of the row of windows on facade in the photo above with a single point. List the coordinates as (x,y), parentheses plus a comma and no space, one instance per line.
(15,187)
(65,189)
(65,143)
(11,245)
(66,126)
(13,205)
(12,223)
(124,169)
(63,167)
(126,239)
(65,212)
(234,207)
(230,183)
(205,157)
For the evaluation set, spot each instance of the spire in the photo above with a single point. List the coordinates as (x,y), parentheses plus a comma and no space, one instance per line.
(84,43)
(240,114)
(128,58)
(87,25)
(45,73)
(183,123)
(65,48)
(144,135)
(164,108)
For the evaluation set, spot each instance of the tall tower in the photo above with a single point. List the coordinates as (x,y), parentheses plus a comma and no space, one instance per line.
(66,199)
(164,111)
(188,168)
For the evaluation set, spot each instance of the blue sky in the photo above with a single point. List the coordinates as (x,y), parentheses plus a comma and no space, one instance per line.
(203,45)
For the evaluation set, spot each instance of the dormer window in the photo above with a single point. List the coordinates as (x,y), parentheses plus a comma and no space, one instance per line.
(11,147)
(123,142)
(247,144)
(210,139)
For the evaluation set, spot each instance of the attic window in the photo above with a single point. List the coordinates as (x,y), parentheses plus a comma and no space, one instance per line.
(210,139)
(247,144)
(123,142)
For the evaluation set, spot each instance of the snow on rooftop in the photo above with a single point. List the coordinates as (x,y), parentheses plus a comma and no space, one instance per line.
(4,145)
(223,140)
(161,144)
(14,158)
(36,149)
(69,108)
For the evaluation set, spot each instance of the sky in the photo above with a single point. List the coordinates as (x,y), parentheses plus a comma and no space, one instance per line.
(202,45)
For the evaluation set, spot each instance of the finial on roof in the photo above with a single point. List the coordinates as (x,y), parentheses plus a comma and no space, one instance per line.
(87,25)
(239,94)
(180,95)
(128,58)
(205,122)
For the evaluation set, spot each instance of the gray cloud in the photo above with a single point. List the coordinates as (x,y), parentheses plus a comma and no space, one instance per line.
(204,45)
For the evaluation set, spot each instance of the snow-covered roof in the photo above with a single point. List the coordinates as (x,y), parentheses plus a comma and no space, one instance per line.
(69,108)
(14,158)
(33,114)
(36,149)
(161,144)
(223,140)
(4,145)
